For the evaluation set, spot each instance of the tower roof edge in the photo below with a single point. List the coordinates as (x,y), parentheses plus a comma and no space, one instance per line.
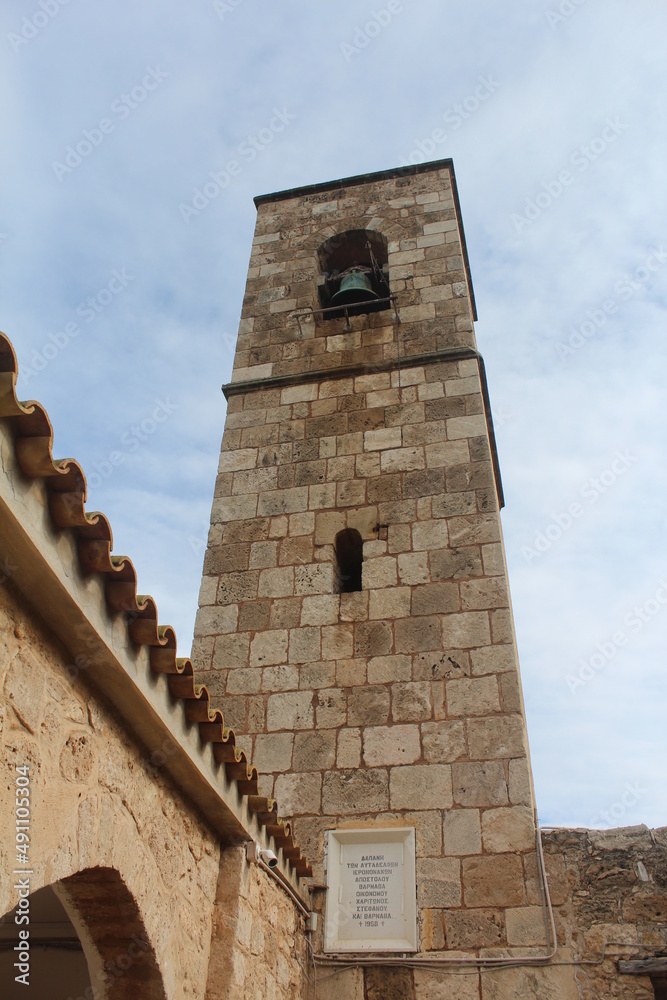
(405,171)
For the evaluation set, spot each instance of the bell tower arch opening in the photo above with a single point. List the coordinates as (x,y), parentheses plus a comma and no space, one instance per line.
(354,272)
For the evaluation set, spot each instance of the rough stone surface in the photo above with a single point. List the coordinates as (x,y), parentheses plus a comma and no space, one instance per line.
(99,801)
(300,793)
(471,696)
(510,829)
(525,926)
(443,741)
(256,929)
(439,882)
(391,745)
(472,928)
(462,834)
(388,984)
(496,880)
(420,785)
(534,984)
(462,986)
(480,784)
(314,751)
(273,752)
(349,792)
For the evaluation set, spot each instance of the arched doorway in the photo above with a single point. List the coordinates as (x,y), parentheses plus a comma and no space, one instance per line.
(86,942)
(55,953)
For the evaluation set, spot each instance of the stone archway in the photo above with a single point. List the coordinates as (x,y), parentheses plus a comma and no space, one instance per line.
(53,965)
(123,958)
(107,826)
(88,941)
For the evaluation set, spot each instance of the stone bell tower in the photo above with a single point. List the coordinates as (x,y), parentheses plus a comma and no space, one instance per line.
(355,623)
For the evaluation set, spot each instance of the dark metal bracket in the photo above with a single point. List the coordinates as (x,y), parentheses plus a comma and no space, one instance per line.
(301,313)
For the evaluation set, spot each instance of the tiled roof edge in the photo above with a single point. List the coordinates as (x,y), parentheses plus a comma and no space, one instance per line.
(65,485)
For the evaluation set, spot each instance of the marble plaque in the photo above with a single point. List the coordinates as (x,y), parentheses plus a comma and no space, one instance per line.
(371,904)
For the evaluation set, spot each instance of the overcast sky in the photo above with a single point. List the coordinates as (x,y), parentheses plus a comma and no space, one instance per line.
(123,305)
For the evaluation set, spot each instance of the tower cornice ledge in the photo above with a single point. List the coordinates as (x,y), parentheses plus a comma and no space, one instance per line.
(230,389)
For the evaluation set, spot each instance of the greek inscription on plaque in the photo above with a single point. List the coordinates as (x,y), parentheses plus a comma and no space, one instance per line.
(377,889)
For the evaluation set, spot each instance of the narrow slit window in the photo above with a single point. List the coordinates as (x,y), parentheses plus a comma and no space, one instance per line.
(659,984)
(349,556)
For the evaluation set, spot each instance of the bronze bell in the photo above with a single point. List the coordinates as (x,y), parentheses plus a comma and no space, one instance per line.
(355,287)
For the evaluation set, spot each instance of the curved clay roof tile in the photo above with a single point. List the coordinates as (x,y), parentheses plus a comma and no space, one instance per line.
(65,485)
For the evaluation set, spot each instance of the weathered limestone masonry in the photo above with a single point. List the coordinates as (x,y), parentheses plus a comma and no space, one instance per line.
(399,703)
(258,947)
(129,832)
(609,891)
(105,824)
(132,856)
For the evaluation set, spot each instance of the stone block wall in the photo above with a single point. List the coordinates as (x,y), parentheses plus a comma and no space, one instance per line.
(609,890)
(132,856)
(99,803)
(258,946)
(399,703)
(609,894)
